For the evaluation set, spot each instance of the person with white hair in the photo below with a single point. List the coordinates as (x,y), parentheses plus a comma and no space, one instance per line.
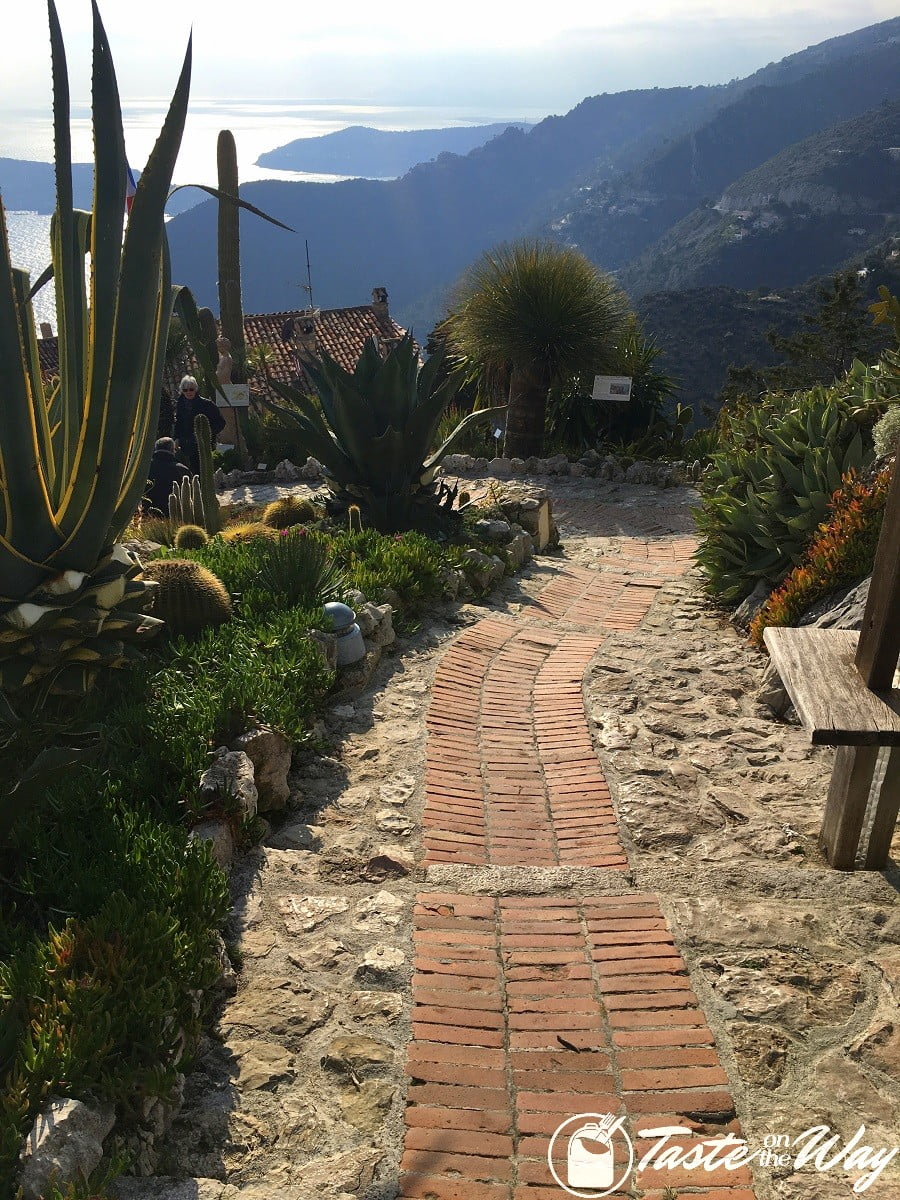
(189,405)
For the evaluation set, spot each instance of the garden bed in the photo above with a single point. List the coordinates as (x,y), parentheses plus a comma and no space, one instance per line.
(109,909)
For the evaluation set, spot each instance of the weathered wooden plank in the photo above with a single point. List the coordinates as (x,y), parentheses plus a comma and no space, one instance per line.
(879,638)
(818,668)
(886,814)
(845,808)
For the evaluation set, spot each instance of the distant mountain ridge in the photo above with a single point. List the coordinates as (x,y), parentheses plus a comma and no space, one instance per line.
(370,153)
(614,176)
(826,198)
(417,233)
(617,220)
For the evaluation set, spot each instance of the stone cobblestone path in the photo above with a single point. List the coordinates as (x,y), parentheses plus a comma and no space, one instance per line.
(530,1010)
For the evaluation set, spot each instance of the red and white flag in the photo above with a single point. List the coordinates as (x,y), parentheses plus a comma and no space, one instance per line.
(130,189)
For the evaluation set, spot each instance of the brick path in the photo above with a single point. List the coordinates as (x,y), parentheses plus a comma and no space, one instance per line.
(531,1010)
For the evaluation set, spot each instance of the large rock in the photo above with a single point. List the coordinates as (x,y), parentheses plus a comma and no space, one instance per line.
(842,610)
(311,469)
(519,550)
(270,752)
(229,779)
(64,1146)
(490,530)
(383,630)
(483,570)
(221,840)
(326,644)
(748,608)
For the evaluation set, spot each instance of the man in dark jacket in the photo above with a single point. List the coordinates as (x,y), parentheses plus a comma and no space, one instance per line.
(165,472)
(191,404)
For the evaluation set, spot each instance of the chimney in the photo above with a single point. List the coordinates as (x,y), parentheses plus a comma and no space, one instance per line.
(46,329)
(380,302)
(305,335)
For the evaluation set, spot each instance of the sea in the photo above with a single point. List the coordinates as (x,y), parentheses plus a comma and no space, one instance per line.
(257,125)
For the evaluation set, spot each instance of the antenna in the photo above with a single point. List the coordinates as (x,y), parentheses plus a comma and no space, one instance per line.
(307,287)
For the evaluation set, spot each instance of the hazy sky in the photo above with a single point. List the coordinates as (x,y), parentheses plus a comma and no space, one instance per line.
(473,52)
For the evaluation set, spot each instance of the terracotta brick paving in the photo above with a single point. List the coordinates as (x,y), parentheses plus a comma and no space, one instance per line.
(530,1010)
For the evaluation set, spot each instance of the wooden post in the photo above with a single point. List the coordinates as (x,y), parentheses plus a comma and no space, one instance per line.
(876,661)
(845,809)
(885,814)
(879,638)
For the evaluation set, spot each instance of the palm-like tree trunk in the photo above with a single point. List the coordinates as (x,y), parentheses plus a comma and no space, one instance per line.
(528,388)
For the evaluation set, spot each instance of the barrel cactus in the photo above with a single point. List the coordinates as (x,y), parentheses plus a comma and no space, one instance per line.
(188,597)
(190,537)
(289,510)
(246,531)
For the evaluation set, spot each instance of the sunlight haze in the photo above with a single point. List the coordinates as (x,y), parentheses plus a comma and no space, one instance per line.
(549,56)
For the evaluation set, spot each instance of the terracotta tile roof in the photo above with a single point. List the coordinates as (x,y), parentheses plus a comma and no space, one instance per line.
(342,332)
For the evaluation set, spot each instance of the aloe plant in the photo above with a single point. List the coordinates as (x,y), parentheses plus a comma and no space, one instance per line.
(375,431)
(73,465)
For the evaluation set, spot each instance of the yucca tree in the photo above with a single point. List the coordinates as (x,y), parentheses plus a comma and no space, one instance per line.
(74,465)
(376,429)
(543,313)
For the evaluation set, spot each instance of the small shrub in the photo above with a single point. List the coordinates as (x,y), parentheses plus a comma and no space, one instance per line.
(157,529)
(190,537)
(410,564)
(297,568)
(842,553)
(287,511)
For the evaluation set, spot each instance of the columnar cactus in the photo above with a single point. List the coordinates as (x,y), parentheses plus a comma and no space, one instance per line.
(231,313)
(212,514)
(186,503)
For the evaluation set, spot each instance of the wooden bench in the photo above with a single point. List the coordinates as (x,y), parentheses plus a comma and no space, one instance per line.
(841,684)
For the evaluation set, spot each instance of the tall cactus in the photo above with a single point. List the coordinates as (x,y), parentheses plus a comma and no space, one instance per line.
(212,522)
(231,313)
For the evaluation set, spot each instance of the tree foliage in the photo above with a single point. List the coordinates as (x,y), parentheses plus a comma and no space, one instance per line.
(543,313)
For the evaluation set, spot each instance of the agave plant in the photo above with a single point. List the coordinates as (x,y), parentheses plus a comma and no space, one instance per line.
(73,465)
(375,431)
(769,489)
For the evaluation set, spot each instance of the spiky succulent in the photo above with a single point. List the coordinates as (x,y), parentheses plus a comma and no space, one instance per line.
(376,429)
(186,503)
(768,490)
(74,462)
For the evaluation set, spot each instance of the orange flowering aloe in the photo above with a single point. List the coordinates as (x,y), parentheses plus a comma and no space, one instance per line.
(841,553)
